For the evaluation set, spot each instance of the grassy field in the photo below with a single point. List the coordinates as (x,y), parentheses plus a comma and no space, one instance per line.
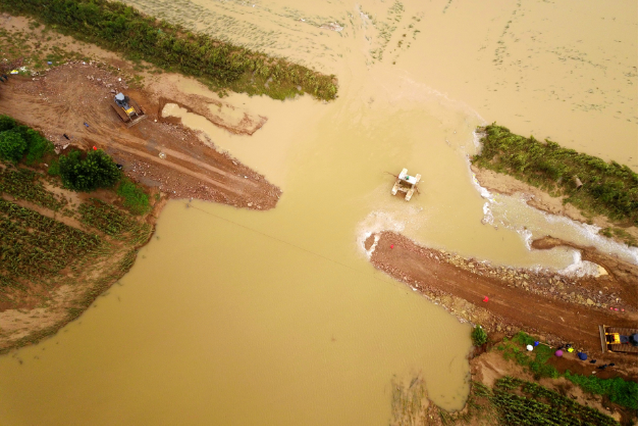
(607,189)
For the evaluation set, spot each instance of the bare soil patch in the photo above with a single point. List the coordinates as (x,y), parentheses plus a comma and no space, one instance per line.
(75,99)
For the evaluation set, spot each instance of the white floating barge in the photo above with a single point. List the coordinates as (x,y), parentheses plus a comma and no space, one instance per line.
(405,183)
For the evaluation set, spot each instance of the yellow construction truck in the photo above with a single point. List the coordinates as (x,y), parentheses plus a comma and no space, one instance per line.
(617,339)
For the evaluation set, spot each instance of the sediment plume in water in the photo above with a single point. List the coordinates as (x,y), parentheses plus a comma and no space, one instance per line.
(410,403)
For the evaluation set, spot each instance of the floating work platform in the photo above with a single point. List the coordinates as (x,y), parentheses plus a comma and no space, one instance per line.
(405,183)
(617,339)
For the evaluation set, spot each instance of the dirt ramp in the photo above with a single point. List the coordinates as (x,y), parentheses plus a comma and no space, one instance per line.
(492,297)
(75,100)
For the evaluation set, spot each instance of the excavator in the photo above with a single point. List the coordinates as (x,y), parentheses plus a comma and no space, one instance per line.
(128,109)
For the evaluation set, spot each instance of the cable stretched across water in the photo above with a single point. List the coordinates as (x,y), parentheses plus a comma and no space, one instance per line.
(285,242)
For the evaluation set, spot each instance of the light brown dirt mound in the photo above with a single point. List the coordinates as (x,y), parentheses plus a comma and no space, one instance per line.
(75,99)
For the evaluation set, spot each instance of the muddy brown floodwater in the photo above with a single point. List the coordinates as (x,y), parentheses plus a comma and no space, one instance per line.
(235,316)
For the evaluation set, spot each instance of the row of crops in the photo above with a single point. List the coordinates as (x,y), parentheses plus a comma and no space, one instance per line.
(39,253)
(25,184)
(110,220)
(525,403)
(33,245)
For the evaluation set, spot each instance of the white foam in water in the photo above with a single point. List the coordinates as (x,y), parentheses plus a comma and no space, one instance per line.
(590,234)
(476,140)
(484,192)
(527,236)
(581,268)
(374,223)
(517,215)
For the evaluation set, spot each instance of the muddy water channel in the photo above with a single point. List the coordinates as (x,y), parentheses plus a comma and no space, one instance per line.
(249,317)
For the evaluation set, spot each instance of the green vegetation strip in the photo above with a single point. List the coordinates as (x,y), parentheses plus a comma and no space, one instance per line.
(121,28)
(135,199)
(536,361)
(609,189)
(618,390)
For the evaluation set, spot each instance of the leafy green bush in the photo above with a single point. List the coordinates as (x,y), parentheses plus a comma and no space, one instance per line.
(479,336)
(617,389)
(37,145)
(96,170)
(135,199)
(54,168)
(12,145)
(17,140)
(7,123)
(523,338)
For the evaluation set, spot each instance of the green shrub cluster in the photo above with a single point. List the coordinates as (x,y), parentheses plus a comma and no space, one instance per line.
(89,172)
(18,142)
(617,389)
(12,146)
(479,336)
(609,189)
(119,27)
(135,199)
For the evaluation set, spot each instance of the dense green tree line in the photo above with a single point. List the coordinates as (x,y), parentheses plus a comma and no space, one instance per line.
(610,189)
(122,28)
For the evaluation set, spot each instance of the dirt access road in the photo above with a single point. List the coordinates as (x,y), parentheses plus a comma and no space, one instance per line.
(558,309)
(75,99)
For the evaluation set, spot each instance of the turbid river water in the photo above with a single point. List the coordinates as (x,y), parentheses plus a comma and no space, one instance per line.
(253,318)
